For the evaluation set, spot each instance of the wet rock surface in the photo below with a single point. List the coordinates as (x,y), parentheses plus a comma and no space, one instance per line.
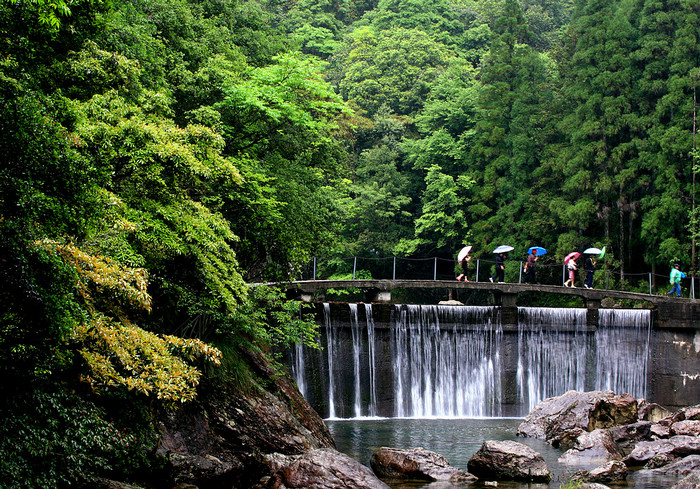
(613,471)
(560,420)
(508,460)
(227,437)
(325,469)
(598,446)
(416,464)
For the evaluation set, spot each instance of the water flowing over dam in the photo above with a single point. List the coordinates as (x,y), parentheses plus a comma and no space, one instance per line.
(427,361)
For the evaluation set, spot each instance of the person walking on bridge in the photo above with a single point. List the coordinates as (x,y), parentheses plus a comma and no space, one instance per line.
(530,272)
(500,268)
(590,269)
(675,280)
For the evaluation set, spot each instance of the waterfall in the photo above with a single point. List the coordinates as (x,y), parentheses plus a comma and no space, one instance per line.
(371,346)
(356,350)
(551,353)
(330,348)
(426,361)
(299,369)
(622,351)
(446,361)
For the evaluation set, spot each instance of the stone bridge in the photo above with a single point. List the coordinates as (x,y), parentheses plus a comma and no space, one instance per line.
(667,312)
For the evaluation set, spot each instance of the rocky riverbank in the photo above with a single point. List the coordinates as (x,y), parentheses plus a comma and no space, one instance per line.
(270,438)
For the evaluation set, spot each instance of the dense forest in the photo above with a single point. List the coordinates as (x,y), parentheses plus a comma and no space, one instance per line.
(160,155)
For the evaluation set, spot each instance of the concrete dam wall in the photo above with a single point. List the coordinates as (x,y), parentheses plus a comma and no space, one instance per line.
(461,361)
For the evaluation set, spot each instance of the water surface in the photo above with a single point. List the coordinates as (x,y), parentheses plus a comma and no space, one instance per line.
(457,440)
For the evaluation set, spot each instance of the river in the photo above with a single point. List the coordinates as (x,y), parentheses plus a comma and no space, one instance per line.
(457,440)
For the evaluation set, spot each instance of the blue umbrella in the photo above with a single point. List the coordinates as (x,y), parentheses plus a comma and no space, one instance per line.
(538,249)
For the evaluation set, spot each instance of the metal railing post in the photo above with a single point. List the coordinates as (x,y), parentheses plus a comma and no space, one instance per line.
(477,271)
(563,274)
(649,283)
(393,273)
(520,272)
(354,267)
(314,268)
(435,269)
(692,287)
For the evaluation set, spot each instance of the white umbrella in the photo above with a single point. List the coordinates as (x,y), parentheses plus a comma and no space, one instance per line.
(592,251)
(503,249)
(463,252)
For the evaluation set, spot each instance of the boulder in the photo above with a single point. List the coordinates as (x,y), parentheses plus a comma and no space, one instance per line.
(416,464)
(692,481)
(650,411)
(613,471)
(660,430)
(325,468)
(233,437)
(597,446)
(627,436)
(676,446)
(554,418)
(689,413)
(686,427)
(660,460)
(680,467)
(508,460)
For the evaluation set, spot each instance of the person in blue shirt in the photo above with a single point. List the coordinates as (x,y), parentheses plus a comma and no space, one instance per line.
(675,280)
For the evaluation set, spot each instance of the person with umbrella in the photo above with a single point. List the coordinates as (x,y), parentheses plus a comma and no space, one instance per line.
(675,279)
(530,268)
(571,266)
(500,271)
(589,265)
(463,258)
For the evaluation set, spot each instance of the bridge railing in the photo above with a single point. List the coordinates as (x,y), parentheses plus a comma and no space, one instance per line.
(436,268)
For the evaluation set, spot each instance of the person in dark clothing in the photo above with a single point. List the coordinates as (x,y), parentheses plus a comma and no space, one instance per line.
(590,268)
(530,272)
(500,269)
(465,269)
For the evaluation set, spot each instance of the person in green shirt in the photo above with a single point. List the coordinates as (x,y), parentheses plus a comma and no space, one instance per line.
(675,280)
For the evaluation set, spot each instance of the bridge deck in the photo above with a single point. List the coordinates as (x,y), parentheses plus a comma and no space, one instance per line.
(669,312)
(310,286)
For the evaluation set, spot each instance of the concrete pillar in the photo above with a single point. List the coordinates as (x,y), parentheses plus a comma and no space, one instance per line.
(508,309)
(376,295)
(592,313)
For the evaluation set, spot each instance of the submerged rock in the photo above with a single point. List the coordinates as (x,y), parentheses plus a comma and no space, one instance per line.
(509,460)
(325,468)
(416,464)
(692,481)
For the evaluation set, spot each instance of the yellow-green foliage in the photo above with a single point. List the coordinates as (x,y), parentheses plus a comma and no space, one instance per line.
(118,352)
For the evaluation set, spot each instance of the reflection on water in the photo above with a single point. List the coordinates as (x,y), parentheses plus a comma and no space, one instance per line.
(457,440)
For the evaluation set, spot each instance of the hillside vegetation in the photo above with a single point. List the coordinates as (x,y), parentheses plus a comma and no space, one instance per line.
(160,155)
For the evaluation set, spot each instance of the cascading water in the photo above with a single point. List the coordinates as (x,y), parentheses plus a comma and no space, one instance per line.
(331,345)
(371,347)
(356,350)
(446,361)
(622,351)
(457,361)
(551,352)
(299,367)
